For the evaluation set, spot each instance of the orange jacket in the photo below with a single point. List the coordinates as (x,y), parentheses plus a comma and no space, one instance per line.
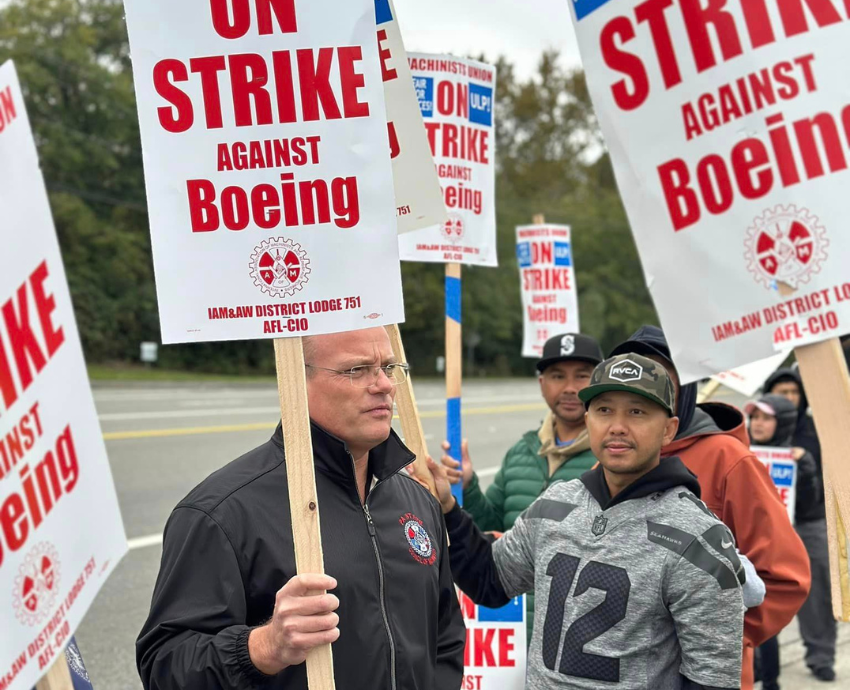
(738,489)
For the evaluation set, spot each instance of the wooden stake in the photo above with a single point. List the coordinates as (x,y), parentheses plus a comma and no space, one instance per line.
(411,424)
(58,677)
(825,378)
(454,367)
(301,477)
(827,384)
(538,219)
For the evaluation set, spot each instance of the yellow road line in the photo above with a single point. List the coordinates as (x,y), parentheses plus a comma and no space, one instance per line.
(262,426)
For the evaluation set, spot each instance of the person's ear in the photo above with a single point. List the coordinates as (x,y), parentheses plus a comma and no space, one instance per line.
(670,430)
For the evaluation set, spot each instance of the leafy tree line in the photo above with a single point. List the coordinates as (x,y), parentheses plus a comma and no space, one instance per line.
(73,59)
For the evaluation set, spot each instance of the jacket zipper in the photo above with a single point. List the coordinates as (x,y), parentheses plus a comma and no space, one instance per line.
(373,534)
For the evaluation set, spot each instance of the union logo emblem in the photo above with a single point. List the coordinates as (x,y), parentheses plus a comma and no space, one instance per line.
(279,267)
(786,244)
(453,228)
(419,541)
(37,584)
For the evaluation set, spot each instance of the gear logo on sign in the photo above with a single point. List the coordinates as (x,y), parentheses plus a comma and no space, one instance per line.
(453,228)
(37,584)
(279,267)
(786,244)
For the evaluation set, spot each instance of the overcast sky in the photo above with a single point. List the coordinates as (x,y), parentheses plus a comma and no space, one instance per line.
(519,29)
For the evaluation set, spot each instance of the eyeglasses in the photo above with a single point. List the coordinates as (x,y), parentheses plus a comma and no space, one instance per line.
(366,375)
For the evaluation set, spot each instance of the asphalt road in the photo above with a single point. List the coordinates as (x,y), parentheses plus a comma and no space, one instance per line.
(163,440)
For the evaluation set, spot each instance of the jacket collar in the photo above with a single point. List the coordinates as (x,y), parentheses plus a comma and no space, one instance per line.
(549,447)
(671,472)
(331,456)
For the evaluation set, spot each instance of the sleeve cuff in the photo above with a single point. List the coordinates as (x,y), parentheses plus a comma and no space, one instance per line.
(243,661)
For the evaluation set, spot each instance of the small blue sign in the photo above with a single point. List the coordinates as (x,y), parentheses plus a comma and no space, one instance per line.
(563,255)
(509,613)
(585,7)
(424,87)
(481,105)
(782,473)
(523,254)
(383,13)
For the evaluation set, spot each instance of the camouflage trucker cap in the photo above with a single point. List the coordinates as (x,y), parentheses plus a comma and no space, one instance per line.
(633,374)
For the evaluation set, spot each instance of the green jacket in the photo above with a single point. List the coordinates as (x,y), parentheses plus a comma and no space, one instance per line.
(523,476)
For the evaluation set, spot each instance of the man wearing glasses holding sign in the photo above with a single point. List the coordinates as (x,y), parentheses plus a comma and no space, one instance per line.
(228,609)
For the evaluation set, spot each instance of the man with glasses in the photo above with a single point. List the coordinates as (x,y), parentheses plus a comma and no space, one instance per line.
(228,609)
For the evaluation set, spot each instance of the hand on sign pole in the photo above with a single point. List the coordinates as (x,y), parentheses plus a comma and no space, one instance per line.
(304,618)
(442,485)
(454,474)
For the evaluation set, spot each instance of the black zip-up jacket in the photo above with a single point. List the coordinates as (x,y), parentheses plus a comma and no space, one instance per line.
(228,550)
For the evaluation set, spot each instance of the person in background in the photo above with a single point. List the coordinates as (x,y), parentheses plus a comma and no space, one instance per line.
(772,421)
(713,443)
(817,624)
(558,451)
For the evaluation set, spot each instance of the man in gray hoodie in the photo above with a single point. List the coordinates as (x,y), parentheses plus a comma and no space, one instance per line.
(635,581)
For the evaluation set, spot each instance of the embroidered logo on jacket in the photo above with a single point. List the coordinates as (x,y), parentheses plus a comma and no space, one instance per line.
(418,539)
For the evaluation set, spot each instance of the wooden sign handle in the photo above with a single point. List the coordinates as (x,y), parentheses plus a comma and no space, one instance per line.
(58,677)
(411,423)
(538,219)
(301,477)
(827,384)
(825,378)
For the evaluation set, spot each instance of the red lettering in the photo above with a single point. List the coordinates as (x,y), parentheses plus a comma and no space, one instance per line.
(179,117)
(284,12)
(352,82)
(626,63)
(484,647)
(25,347)
(316,85)
(506,646)
(202,209)
(697,18)
(222,23)
(674,182)
(652,12)
(45,306)
(386,55)
(794,18)
(249,76)
(208,68)
(747,156)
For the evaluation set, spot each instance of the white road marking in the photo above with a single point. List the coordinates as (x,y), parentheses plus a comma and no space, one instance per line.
(144,542)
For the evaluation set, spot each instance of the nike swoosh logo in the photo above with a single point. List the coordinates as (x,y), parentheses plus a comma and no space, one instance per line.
(726,544)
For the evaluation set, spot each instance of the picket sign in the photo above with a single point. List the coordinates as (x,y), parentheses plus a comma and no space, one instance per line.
(454,367)
(411,423)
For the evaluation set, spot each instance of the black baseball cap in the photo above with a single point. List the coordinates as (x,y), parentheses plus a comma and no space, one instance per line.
(568,347)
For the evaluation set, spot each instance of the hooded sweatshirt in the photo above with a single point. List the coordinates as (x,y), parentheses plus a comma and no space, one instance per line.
(646,584)
(804,435)
(714,445)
